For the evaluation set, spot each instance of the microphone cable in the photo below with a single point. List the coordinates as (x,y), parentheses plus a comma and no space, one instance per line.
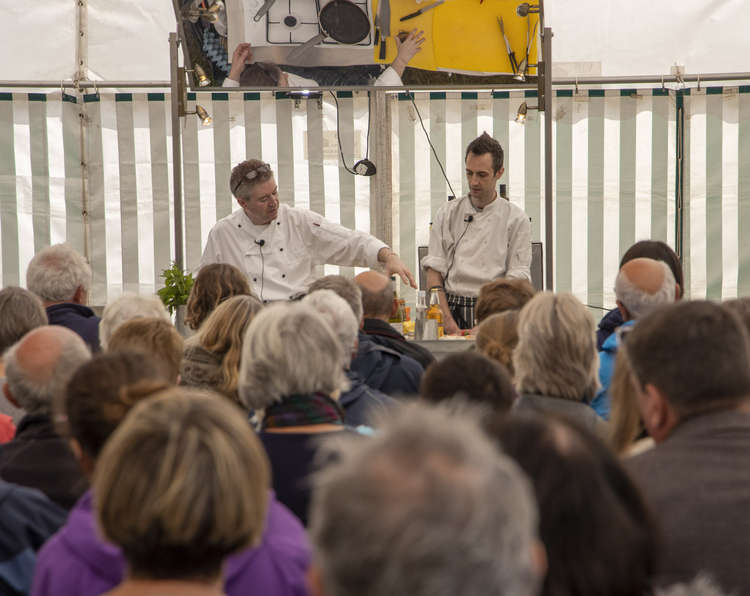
(468,219)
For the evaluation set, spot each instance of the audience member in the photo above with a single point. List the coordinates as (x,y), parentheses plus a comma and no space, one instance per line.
(556,361)
(291,375)
(61,277)
(626,431)
(472,376)
(378,305)
(380,367)
(690,361)
(20,312)
(27,519)
(641,286)
(501,295)
(214,284)
(212,356)
(360,402)
(169,495)
(77,562)
(127,307)
(425,507)
(37,368)
(594,523)
(740,307)
(497,337)
(650,249)
(157,339)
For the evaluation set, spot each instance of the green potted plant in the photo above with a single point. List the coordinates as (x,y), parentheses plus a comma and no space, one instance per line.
(174,294)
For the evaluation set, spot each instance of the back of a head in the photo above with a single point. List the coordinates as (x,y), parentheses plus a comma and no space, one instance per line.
(556,354)
(38,367)
(472,376)
(643,285)
(497,337)
(222,334)
(659,251)
(696,353)
(127,307)
(102,392)
(740,307)
(20,312)
(344,287)
(339,317)
(377,294)
(56,272)
(289,349)
(214,284)
(502,295)
(156,338)
(599,535)
(181,484)
(426,507)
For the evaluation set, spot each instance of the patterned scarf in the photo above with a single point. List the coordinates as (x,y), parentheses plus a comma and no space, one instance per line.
(303,410)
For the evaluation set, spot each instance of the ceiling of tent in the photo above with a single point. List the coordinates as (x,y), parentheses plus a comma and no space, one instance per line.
(128,41)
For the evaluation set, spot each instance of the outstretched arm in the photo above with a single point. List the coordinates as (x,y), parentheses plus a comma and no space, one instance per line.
(243,53)
(393,265)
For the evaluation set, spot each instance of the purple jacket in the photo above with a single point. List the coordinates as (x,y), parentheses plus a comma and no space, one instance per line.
(76,562)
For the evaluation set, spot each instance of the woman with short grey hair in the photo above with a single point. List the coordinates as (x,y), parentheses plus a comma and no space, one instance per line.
(127,307)
(556,361)
(291,375)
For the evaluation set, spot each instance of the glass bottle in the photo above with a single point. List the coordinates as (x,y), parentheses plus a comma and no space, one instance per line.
(434,311)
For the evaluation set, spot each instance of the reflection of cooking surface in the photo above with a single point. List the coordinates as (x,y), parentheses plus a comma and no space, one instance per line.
(296,21)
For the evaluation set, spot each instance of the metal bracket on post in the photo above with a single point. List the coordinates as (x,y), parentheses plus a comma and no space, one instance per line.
(178,98)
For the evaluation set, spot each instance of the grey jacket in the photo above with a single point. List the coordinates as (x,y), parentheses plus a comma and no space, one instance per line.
(575,410)
(697,483)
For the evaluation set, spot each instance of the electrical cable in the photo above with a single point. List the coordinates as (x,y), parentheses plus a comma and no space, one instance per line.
(442,169)
(455,248)
(338,133)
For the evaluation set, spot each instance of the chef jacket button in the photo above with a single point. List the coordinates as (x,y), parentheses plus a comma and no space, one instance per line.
(239,225)
(278,223)
(283,275)
(281,250)
(254,279)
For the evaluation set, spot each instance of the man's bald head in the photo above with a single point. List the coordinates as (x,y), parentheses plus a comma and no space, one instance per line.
(40,364)
(642,285)
(377,295)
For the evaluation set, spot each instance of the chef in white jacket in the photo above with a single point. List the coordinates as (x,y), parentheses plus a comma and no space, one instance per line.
(278,246)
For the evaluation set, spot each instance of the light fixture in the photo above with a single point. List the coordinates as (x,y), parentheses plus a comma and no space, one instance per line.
(524,9)
(522,112)
(522,68)
(200,74)
(201,112)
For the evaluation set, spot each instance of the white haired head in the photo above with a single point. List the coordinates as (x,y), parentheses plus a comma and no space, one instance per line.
(58,273)
(127,307)
(337,313)
(643,285)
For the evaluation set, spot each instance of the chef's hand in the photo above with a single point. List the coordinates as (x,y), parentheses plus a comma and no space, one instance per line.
(407,49)
(243,53)
(449,325)
(393,265)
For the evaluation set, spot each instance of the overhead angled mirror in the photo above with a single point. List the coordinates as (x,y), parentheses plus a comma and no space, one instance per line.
(344,43)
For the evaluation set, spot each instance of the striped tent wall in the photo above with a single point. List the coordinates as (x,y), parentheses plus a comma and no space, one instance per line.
(717,192)
(614,175)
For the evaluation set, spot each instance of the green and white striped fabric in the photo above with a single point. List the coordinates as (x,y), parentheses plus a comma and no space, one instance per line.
(615,163)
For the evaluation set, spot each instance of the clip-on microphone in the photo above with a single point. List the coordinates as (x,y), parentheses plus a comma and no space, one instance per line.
(468,218)
(260,242)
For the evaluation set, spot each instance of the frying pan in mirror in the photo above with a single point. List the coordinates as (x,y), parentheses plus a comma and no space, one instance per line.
(341,20)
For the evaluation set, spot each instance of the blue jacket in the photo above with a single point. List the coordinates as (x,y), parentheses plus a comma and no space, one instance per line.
(607,356)
(385,369)
(78,318)
(27,519)
(607,326)
(360,401)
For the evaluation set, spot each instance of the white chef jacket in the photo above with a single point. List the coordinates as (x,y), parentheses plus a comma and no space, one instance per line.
(292,245)
(495,243)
